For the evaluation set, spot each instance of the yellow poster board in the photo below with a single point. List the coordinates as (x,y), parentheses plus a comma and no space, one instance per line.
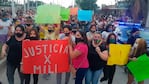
(118,54)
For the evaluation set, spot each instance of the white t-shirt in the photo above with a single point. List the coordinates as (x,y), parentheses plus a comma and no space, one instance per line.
(90,35)
(5,25)
(105,35)
(61,36)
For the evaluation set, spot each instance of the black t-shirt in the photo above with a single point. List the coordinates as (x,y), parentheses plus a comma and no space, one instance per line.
(95,62)
(15,51)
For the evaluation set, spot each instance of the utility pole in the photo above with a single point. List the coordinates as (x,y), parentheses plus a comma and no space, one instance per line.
(24,6)
(13,9)
(28,4)
(36,3)
(73,3)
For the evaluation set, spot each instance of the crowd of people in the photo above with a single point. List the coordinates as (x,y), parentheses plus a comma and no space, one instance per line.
(88,46)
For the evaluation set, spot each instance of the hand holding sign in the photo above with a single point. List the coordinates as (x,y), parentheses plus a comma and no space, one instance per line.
(139,68)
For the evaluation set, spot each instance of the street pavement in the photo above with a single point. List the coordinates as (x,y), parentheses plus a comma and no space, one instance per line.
(119,78)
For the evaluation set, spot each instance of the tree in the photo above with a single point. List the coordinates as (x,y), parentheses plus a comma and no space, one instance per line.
(5,3)
(34,3)
(87,4)
(139,10)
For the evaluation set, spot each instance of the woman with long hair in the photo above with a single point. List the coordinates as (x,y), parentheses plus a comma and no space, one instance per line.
(139,48)
(14,55)
(78,55)
(109,70)
(32,35)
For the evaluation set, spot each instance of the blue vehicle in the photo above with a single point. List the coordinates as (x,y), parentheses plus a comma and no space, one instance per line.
(123,32)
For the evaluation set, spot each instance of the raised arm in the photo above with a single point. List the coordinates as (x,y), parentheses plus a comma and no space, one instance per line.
(4,49)
(103,55)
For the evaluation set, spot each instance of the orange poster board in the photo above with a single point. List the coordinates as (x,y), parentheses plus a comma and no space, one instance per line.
(41,57)
(74,11)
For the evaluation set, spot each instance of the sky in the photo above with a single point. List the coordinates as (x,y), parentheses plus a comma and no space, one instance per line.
(67,3)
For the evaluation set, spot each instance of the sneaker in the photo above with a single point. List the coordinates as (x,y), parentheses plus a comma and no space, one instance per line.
(103,79)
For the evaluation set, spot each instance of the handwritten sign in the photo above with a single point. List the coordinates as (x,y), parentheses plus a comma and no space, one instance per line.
(40,57)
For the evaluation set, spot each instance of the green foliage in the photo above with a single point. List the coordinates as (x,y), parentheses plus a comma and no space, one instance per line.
(87,4)
(32,3)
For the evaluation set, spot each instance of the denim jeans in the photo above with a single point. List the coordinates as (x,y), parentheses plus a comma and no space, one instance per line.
(10,73)
(59,77)
(92,76)
(80,74)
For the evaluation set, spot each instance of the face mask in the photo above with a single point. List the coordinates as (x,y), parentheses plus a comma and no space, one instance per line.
(110,30)
(112,40)
(19,34)
(77,40)
(66,34)
(33,38)
(28,25)
(92,31)
(135,45)
(97,41)
(137,36)
(5,19)
(50,31)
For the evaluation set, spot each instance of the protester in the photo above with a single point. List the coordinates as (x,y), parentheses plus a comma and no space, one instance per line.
(96,61)
(33,35)
(15,23)
(109,29)
(14,53)
(42,29)
(134,34)
(101,23)
(65,36)
(5,24)
(50,34)
(109,70)
(91,33)
(139,48)
(78,55)
(28,26)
